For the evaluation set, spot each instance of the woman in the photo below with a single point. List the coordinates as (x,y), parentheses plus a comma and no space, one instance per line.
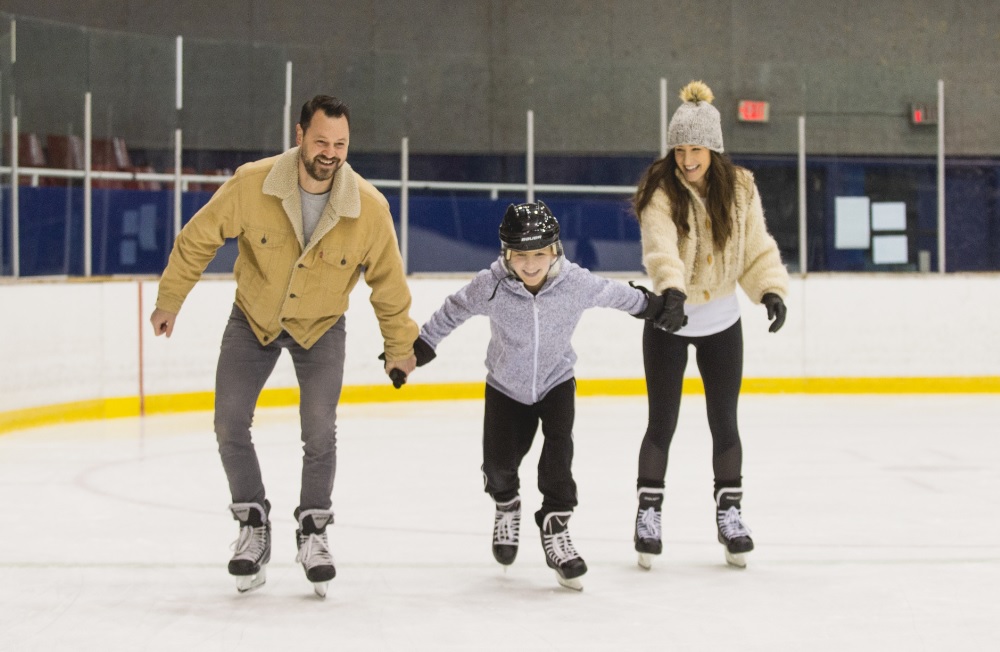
(702,232)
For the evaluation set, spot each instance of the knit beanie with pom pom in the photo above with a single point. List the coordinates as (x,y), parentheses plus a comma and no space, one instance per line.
(696,122)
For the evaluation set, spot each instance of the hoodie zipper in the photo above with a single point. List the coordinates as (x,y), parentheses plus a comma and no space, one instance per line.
(534,372)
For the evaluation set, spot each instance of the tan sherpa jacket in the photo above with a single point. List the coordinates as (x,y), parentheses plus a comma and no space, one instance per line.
(693,266)
(282,283)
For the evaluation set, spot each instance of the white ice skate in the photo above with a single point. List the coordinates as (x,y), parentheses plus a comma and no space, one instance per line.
(252,549)
(314,549)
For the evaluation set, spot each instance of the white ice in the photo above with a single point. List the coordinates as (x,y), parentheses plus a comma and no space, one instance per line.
(871,515)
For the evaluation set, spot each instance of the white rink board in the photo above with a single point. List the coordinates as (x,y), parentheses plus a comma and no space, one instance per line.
(66,342)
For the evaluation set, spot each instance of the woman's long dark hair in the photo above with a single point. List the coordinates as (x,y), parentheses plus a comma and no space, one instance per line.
(721,177)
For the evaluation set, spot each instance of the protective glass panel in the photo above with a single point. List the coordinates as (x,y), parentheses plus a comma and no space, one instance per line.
(132,151)
(871,146)
(6,98)
(51,76)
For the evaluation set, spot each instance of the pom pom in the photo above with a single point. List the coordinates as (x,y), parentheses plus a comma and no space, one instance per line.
(697,91)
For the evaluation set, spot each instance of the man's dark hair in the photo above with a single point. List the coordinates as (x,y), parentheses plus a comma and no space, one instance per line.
(330,106)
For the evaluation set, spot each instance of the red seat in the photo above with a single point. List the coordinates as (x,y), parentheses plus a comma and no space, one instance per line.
(64,152)
(29,152)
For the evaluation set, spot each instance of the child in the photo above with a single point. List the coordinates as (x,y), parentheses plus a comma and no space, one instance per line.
(534,299)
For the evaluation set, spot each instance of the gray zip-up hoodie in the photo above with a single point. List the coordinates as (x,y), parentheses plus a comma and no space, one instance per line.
(530,350)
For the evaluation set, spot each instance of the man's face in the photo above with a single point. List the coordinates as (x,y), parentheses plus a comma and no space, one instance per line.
(323,146)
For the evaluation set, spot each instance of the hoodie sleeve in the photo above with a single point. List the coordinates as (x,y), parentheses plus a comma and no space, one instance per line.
(605,293)
(467,302)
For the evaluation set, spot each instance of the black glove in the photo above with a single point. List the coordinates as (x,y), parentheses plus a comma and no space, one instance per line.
(654,303)
(672,318)
(397,376)
(423,351)
(775,310)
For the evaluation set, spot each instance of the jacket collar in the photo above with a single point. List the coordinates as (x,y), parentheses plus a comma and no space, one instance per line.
(283,182)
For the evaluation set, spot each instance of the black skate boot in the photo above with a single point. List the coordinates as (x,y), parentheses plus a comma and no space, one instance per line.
(506,531)
(647,526)
(733,532)
(252,550)
(314,549)
(560,554)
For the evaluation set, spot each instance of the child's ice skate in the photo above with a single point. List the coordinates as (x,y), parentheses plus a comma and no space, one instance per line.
(733,532)
(560,555)
(506,531)
(252,550)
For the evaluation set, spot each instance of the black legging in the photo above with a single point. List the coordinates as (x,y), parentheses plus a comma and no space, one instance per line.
(720,361)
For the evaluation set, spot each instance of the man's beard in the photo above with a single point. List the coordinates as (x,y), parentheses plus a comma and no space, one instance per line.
(318,173)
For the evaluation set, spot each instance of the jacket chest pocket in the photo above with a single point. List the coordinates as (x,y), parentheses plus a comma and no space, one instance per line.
(338,261)
(264,249)
(337,268)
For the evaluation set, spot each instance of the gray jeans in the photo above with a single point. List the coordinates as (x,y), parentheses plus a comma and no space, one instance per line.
(244,366)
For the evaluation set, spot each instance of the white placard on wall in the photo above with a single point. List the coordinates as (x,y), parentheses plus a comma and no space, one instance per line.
(890,250)
(888,216)
(852,219)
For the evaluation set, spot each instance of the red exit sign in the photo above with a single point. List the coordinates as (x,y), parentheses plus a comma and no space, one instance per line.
(753,111)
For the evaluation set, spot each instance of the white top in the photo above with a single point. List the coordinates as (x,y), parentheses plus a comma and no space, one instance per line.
(312,210)
(710,318)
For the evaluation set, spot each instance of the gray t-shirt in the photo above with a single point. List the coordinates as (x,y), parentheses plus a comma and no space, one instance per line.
(312,210)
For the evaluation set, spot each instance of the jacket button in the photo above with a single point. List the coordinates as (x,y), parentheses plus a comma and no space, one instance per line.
(291,296)
(708,223)
(301,265)
(266,338)
(709,259)
(707,295)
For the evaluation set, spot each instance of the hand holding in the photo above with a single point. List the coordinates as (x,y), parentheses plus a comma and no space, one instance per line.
(654,303)
(399,370)
(672,318)
(776,311)
(423,352)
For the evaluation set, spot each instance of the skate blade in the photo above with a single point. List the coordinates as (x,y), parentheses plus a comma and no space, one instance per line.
(573,583)
(645,560)
(737,559)
(320,588)
(245,583)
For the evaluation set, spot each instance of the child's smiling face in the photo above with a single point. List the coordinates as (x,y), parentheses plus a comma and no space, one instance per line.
(532,267)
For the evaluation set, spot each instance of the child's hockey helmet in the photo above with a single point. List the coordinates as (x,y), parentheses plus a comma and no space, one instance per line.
(529,226)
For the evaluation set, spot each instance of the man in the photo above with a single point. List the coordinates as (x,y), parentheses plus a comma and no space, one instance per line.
(307,226)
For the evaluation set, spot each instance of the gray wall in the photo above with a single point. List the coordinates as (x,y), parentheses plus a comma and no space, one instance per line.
(458,77)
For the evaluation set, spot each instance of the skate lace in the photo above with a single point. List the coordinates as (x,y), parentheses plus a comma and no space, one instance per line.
(251,543)
(731,524)
(314,551)
(560,547)
(648,523)
(506,527)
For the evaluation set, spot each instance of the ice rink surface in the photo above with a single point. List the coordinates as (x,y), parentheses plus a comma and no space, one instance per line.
(871,515)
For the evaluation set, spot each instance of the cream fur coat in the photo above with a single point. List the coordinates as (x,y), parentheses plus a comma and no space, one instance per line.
(693,265)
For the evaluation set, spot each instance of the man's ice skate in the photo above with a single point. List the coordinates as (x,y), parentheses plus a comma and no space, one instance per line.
(506,531)
(252,550)
(733,532)
(560,554)
(314,549)
(647,526)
